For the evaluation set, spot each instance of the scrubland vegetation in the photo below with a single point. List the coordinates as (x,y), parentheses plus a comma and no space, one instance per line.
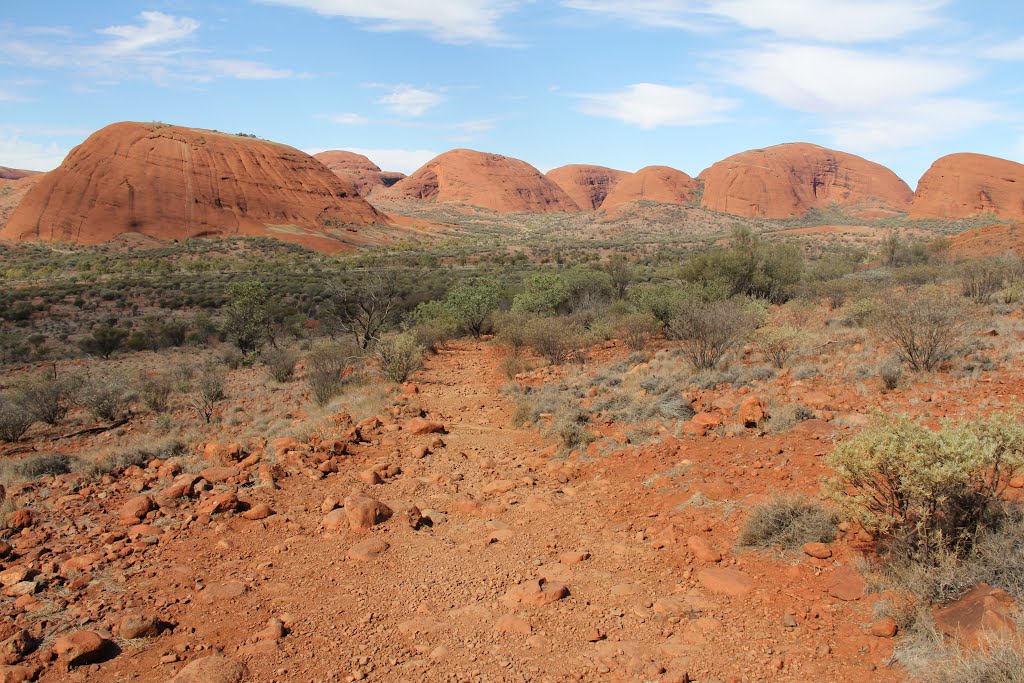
(88,337)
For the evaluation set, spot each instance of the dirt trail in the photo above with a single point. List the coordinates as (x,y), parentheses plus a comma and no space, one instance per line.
(436,604)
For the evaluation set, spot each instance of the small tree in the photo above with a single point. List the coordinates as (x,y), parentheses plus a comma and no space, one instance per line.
(924,327)
(472,304)
(363,307)
(209,393)
(246,317)
(708,330)
(927,491)
(107,398)
(621,272)
(104,340)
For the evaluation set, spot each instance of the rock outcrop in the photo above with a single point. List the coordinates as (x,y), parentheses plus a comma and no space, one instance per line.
(172,183)
(652,184)
(962,185)
(15,173)
(490,181)
(588,186)
(789,180)
(357,168)
(11,194)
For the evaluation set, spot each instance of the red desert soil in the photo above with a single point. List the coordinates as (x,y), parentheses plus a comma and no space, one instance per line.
(653,184)
(992,240)
(15,173)
(534,566)
(490,181)
(358,168)
(586,185)
(788,180)
(173,183)
(961,185)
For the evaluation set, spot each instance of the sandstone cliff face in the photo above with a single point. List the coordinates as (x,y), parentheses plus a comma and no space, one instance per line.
(170,182)
(15,173)
(654,184)
(788,180)
(490,181)
(358,169)
(588,186)
(11,194)
(961,185)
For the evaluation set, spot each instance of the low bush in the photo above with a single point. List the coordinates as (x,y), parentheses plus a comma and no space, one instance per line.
(107,398)
(280,363)
(778,343)
(925,327)
(710,330)
(48,398)
(15,420)
(35,466)
(155,391)
(788,522)
(399,356)
(927,492)
(325,364)
(209,392)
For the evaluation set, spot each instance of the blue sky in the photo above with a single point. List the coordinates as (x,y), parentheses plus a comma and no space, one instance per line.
(621,83)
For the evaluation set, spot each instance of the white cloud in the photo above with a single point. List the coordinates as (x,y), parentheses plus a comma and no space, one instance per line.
(1013,51)
(843,21)
(831,80)
(401,160)
(910,124)
(246,70)
(409,101)
(649,105)
(348,119)
(17,152)
(156,28)
(450,21)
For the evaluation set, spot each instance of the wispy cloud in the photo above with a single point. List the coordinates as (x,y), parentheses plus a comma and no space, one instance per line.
(649,105)
(1011,51)
(835,21)
(348,119)
(448,21)
(820,79)
(156,28)
(159,48)
(410,101)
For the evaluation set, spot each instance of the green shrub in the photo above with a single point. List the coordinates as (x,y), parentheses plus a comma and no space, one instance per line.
(927,492)
(399,356)
(636,329)
(104,340)
(891,373)
(788,521)
(247,317)
(543,293)
(471,304)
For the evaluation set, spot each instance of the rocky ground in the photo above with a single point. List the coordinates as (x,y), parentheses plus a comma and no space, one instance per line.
(437,543)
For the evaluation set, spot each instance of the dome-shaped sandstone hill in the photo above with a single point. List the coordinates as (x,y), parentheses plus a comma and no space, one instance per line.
(789,180)
(359,169)
(962,185)
(653,184)
(490,181)
(588,186)
(170,182)
(15,173)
